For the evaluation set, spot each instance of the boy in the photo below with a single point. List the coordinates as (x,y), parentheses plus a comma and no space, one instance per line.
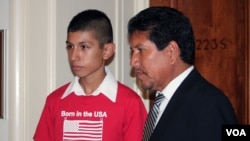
(94,106)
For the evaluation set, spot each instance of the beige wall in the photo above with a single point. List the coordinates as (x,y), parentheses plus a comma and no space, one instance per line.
(36,60)
(4,4)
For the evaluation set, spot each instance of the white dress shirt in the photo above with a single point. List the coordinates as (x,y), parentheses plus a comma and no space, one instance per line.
(169,90)
(108,87)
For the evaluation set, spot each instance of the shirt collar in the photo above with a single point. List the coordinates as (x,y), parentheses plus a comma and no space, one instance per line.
(108,87)
(169,90)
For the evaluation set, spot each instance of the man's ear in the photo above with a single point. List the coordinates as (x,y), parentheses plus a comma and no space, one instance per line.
(173,51)
(108,50)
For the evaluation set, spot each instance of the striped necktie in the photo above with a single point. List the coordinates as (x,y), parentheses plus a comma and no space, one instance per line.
(152,116)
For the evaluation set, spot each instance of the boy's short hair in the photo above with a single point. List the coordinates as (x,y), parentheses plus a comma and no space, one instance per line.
(93,20)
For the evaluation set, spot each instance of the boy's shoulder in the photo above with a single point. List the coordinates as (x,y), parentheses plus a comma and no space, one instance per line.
(57,93)
(126,91)
(124,87)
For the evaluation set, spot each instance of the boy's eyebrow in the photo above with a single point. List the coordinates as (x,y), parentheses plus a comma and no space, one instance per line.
(67,42)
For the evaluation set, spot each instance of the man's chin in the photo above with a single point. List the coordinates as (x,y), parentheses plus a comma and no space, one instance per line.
(146,86)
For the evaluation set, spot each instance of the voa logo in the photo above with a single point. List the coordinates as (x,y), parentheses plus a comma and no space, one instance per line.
(236,132)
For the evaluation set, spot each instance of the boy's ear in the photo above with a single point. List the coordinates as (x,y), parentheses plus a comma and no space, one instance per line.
(108,50)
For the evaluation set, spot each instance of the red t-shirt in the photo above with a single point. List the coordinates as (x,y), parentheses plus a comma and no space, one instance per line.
(86,118)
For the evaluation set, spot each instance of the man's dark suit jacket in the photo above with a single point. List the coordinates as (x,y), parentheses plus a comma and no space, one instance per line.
(195,112)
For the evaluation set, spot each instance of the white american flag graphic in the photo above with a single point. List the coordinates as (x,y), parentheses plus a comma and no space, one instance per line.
(82,130)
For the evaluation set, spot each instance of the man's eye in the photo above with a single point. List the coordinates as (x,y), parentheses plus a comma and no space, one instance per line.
(139,50)
(135,50)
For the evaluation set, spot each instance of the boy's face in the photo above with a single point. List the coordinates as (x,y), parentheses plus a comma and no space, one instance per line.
(86,57)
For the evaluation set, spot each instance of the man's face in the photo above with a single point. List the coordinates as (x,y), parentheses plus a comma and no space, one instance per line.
(150,65)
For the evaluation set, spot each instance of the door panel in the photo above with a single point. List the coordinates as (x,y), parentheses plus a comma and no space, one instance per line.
(221,32)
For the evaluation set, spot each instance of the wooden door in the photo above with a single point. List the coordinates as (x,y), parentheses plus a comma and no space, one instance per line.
(222,41)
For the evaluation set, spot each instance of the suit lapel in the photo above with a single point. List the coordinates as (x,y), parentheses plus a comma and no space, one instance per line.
(164,125)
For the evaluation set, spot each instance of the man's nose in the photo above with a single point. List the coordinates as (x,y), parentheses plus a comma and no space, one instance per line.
(134,60)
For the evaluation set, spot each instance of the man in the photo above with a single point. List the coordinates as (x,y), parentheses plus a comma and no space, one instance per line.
(162,57)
